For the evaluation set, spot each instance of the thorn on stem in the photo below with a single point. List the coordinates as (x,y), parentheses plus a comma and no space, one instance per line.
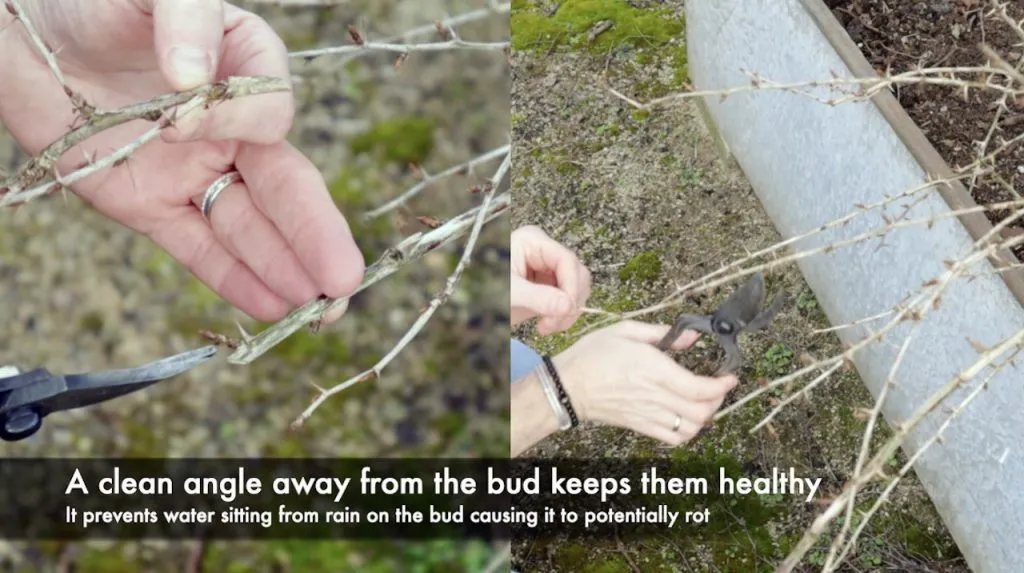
(356,35)
(430,222)
(443,31)
(246,337)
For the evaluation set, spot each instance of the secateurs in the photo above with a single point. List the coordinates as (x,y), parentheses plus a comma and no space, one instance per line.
(28,397)
(739,313)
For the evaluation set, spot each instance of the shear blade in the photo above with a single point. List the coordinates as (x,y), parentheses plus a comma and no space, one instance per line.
(86,389)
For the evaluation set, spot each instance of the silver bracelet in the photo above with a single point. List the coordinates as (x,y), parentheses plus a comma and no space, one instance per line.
(549,390)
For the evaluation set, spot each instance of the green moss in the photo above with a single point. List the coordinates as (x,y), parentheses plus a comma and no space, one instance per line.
(571,24)
(641,115)
(906,529)
(645,267)
(91,322)
(612,129)
(402,140)
(568,168)
(108,561)
(675,58)
(680,68)
(741,534)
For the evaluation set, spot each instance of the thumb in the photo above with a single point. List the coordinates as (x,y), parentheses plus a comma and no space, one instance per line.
(187,37)
(543,300)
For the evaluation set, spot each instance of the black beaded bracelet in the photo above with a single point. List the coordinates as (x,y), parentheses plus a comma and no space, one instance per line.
(563,398)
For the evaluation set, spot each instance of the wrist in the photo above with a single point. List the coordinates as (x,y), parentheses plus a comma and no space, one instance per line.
(568,366)
(532,417)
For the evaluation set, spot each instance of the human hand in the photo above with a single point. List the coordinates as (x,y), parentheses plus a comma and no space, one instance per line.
(275,240)
(617,376)
(548,281)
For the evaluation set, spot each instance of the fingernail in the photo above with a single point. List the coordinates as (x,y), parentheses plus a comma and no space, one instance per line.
(190,67)
(336,313)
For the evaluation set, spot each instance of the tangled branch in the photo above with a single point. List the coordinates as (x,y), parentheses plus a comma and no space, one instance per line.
(490,207)
(1006,82)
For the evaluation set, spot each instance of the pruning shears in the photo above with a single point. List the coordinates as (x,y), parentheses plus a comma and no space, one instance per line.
(28,397)
(739,313)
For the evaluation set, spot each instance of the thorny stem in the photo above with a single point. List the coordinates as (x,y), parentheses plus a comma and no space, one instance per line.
(44,50)
(928,298)
(865,447)
(159,109)
(702,283)
(877,463)
(435,303)
(409,250)
(394,45)
(792,397)
(466,167)
(456,44)
(875,467)
(707,283)
(868,87)
(936,437)
(472,16)
(916,310)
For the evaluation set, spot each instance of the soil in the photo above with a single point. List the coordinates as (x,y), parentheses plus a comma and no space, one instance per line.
(648,203)
(80,292)
(906,34)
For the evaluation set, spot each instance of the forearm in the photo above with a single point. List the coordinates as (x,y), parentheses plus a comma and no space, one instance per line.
(532,416)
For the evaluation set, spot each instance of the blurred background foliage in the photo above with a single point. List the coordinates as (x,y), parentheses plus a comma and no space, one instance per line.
(80,292)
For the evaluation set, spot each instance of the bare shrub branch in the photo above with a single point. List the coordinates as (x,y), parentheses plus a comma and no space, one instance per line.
(1006,83)
(490,207)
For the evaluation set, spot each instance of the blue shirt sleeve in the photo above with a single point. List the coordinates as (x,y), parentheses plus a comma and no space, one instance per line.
(523,359)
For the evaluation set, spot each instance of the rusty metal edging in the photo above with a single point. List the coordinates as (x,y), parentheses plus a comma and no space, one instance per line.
(954,193)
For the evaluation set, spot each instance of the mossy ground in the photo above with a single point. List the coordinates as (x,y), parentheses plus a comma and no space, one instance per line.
(81,292)
(648,203)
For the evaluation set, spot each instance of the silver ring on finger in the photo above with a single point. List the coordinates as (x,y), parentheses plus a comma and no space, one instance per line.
(679,422)
(213,191)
